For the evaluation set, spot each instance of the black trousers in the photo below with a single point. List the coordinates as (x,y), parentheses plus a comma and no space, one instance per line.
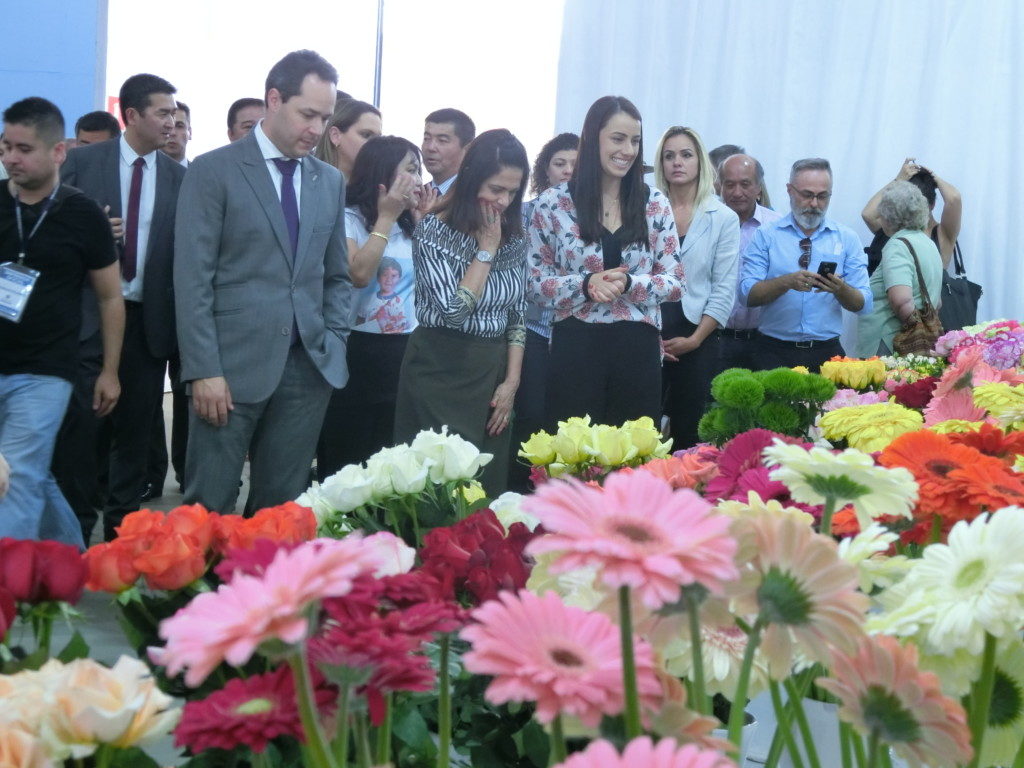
(158,459)
(529,408)
(611,371)
(738,349)
(142,380)
(776,353)
(75,463)
(360,418)
(686,385)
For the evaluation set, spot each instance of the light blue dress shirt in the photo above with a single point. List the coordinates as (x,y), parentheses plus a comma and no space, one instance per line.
(804,315)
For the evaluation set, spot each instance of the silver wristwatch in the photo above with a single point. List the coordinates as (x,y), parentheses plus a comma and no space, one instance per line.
(485,256)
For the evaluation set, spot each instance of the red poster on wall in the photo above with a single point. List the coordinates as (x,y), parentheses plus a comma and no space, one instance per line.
(114,108)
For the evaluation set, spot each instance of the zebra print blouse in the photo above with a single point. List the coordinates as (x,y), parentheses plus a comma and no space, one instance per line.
(441,256)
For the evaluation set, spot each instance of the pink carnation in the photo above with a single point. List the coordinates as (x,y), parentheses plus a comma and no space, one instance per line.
(229,624)
(638,532)
(848,397)
(566,659)
(644,753)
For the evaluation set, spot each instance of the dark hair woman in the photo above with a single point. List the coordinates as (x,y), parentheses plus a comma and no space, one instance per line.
(604,254)
(463,361)
(385,200)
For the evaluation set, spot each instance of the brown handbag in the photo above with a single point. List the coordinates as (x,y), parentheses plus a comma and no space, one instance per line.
(922,329)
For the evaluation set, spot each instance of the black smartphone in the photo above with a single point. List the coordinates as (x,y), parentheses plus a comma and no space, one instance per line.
(827,268)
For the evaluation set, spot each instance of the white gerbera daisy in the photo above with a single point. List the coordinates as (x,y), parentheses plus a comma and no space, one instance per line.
(851,476)
(974,583)
(867,551)
(1005,731)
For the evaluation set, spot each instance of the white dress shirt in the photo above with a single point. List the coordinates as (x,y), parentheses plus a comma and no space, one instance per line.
(132,291)
(270,152)
(444,186)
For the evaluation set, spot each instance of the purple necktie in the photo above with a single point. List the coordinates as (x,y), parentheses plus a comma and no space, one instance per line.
(130,253)
(289,204)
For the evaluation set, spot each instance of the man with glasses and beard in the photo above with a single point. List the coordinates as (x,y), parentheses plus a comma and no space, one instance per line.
(804,269)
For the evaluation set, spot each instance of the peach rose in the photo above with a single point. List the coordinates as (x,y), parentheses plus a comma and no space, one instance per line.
(195,521)
(110,568)
(172,562)
(19,749)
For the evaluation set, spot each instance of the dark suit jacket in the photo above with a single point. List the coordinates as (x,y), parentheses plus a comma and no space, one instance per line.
(95,169)
(239,289)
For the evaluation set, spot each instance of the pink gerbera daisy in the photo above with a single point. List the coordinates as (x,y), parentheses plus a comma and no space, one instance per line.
(566,659)
(229,624)
(882,691)
(644,753)
(638,532)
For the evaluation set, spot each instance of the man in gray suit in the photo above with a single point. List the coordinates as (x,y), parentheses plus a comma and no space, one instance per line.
(263,295)
(138,185)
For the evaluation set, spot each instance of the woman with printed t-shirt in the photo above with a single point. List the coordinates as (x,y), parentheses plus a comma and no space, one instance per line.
(463,362)
(604,254)
(384,200)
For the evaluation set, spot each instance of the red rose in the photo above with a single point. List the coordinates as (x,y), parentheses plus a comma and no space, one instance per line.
(41,571)
(915,394)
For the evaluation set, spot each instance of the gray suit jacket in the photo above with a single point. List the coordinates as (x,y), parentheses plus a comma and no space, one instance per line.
(95,169)
(236,286)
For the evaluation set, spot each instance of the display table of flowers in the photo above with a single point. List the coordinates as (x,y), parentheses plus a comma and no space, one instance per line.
(848,545)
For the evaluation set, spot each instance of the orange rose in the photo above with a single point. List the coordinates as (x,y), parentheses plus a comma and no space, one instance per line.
(172,562)
(287,523)
(142,524)
(194,521)
(226,532)
(110,567)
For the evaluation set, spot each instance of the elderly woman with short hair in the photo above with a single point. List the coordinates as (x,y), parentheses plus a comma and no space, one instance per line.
(903,213)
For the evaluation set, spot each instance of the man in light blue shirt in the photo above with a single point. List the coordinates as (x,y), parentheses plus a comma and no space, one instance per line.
(786,270)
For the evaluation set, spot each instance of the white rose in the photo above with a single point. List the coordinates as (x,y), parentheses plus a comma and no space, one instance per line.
(408,471)
(430,445)
(462,460)
(347,490)
(394,555)
(378,469)
(508,509)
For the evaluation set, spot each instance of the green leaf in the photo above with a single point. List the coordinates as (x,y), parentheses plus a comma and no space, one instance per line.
(536,744)
(130,758)
(76,648)
(410,727)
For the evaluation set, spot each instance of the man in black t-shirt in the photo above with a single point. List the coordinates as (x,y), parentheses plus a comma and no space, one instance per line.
(51,238)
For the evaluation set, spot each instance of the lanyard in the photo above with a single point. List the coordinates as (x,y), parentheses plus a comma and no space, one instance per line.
(22,240)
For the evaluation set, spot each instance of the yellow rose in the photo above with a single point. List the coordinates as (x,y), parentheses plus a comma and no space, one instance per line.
(571,440)
(539,450)
(471,492)
(610,446)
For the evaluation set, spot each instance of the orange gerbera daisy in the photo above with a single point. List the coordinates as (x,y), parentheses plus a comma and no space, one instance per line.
(931,458)
(992,441)
(882,690)
(990,484)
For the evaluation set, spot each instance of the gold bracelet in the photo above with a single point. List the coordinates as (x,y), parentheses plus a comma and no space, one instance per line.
(378,234)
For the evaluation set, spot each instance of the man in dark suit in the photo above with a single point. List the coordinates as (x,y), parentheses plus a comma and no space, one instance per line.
(261,280)
(138,186)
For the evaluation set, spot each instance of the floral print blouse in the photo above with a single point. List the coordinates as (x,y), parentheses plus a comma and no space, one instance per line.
(560,261)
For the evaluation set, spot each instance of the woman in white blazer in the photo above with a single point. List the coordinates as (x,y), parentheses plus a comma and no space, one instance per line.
(709,235)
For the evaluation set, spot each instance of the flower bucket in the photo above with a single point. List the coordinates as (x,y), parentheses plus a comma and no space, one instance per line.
(823,720)
(746,735)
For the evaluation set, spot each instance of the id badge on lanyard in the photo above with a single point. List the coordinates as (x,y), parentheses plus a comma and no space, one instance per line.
(16,284)
(16,280)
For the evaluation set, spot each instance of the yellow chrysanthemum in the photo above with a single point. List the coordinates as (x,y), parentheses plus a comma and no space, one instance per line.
(801,369)
(856,374)
(1001,400)
(955,425)
(871,427)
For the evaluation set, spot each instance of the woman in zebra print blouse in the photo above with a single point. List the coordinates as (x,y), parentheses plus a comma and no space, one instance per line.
(463,361)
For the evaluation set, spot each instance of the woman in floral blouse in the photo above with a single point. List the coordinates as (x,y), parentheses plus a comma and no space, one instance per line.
(462,363)
(605,255)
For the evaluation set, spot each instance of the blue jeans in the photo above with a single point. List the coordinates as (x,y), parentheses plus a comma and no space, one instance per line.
(31,410)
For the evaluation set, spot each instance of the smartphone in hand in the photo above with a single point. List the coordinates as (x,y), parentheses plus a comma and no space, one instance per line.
(827,268)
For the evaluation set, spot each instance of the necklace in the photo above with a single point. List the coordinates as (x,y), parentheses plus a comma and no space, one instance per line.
(607,204)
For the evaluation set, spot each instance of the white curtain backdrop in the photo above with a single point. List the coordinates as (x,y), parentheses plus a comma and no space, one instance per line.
(864,84)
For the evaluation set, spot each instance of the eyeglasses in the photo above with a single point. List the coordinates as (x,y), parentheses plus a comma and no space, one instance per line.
(805,253)
(806,195)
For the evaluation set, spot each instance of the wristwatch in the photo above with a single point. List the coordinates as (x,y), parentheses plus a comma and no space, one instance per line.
(485,256)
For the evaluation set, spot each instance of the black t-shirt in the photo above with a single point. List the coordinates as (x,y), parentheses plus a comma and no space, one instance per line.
(74,237)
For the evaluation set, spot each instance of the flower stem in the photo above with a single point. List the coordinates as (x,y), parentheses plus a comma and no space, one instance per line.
(936,529)
(363,754)
(783,725)
(341,740)
(384,733)
(632,713)
(739,701)
(826,515)
(873,749)
(802,724)
(319,755)
(845,749)
(260,759)
(981,698)
(104,755)
(1018,761)
(700,700)
(858,749)
(558,750)
(444,707)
